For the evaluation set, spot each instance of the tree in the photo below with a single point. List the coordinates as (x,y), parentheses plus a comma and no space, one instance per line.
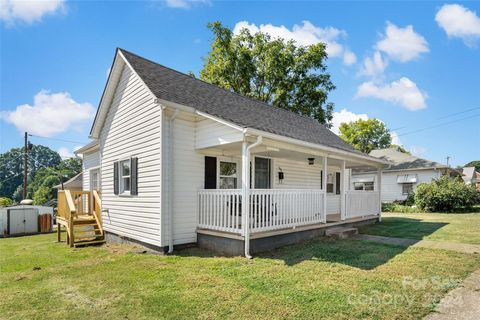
(271,70)
(4,202)
(11,166)
(366,135)
(475,163)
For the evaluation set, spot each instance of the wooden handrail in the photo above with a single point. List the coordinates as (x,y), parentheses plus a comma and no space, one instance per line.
(97,209)
(71,205)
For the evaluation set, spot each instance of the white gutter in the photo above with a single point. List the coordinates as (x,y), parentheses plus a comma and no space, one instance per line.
(246,191)
(170,178)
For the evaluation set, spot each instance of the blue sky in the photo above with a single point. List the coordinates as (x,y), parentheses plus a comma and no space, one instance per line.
(411,65)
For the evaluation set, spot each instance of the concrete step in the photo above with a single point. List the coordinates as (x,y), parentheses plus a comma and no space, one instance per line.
(340,232)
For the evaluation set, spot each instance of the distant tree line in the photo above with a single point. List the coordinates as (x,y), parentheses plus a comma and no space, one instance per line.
(45,170)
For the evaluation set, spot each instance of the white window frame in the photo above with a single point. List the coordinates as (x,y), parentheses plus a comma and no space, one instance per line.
(272,169)
(228,160)
(409,183)
(121,185)
(99,180)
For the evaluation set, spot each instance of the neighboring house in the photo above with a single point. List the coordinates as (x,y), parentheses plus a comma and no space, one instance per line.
(75,183)
(471,176)
(174,158)
(401,178)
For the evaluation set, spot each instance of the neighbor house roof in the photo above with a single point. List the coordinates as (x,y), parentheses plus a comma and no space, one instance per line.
(89,147)
(174,86)
(73,183)
(404,161)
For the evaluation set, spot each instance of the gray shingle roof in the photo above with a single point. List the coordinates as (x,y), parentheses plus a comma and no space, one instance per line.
(174,86)
(404,161)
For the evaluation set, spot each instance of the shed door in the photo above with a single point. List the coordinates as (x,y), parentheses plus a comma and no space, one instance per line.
(31,220)
(16,222)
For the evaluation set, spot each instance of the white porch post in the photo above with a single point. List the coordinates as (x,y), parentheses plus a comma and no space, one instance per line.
(324,188)
(379,187)
(245,196)
(342,192)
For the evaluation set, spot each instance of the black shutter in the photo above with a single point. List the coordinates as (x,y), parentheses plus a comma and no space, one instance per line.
(115,177)
(210,172)
(337,179)
(321,179)
(134,176)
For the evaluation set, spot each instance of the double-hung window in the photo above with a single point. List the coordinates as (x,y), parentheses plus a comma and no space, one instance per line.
(228,178)
(407,188)
(124,177)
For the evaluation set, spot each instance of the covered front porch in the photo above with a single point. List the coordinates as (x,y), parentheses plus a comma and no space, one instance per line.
(261,187)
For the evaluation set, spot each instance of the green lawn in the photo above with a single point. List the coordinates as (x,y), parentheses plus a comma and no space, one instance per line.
(462,228)
(344,279)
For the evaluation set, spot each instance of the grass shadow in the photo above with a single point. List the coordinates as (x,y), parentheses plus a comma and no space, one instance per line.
(402,228)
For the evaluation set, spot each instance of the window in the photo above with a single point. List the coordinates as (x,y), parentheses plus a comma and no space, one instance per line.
(262,173)
(407,188)
(358,185)
(125,176)
(95,179)
(228,175)
(368,186)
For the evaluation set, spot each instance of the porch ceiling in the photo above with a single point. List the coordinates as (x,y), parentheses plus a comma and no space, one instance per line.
(274,150)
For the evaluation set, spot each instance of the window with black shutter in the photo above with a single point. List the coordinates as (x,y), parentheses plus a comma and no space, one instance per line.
(116,186)
(134,176)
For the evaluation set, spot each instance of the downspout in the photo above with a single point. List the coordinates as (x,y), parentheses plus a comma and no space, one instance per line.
(170,178)
(246,192)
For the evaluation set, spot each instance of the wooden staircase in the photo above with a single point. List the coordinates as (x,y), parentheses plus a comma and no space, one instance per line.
(80,213)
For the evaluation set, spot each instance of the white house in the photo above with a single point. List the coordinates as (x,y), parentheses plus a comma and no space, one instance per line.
(180,161)
(471,177)
(401,178)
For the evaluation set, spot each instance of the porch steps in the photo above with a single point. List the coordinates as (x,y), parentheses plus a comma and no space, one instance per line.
(340,232)
(87,243)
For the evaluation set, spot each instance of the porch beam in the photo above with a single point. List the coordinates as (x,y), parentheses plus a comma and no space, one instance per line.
(342,191)
(245,197)
(324,188)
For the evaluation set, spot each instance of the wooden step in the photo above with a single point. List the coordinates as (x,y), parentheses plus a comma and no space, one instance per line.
(86,243)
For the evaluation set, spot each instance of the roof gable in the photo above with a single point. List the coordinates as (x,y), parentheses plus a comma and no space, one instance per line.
(170,85)
(403,161)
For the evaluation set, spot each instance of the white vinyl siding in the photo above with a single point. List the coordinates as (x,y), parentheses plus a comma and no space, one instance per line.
(133,128)
(210,133)
(392,190)
(187,180)
(90,161)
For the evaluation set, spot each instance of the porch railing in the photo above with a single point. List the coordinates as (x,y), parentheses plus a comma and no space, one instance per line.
(361,203)
(269,209)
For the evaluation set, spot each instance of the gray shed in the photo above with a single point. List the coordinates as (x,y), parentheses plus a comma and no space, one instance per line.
(21,219)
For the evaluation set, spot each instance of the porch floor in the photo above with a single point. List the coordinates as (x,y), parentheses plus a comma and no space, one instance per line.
(332,220)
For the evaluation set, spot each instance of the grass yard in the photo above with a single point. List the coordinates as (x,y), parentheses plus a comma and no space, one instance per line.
(461,228)
(344,279)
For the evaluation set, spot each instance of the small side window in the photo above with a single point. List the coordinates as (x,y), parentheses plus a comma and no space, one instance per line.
(407,188)
(124,178)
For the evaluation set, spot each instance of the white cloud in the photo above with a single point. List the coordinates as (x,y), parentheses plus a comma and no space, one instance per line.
(403,92)
(375,66)
(65,153)
(304,35)
(460,22)
(402,44)
(349,58)
(185,4)
(50,114)
(29,11)
(345,116)
(395,138)
(418,151)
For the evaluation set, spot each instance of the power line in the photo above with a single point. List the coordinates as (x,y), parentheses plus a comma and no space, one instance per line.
(57,139)
(438,125)
(442,117)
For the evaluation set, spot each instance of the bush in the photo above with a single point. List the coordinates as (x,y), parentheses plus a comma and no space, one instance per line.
(445,194)
(5,202)
(398,207)
(410,201)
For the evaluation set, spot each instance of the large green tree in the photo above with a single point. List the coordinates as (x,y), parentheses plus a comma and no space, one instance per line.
(11,167)
(366,135)
(271,70)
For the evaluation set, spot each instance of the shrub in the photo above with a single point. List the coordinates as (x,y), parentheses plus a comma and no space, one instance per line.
(4,202)
(410,201)
(445,194)
(397,207)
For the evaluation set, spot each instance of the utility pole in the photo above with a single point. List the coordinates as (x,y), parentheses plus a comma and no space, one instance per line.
(448,160)
(25,167)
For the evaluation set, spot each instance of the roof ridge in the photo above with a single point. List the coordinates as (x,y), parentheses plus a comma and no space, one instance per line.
(226,90)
